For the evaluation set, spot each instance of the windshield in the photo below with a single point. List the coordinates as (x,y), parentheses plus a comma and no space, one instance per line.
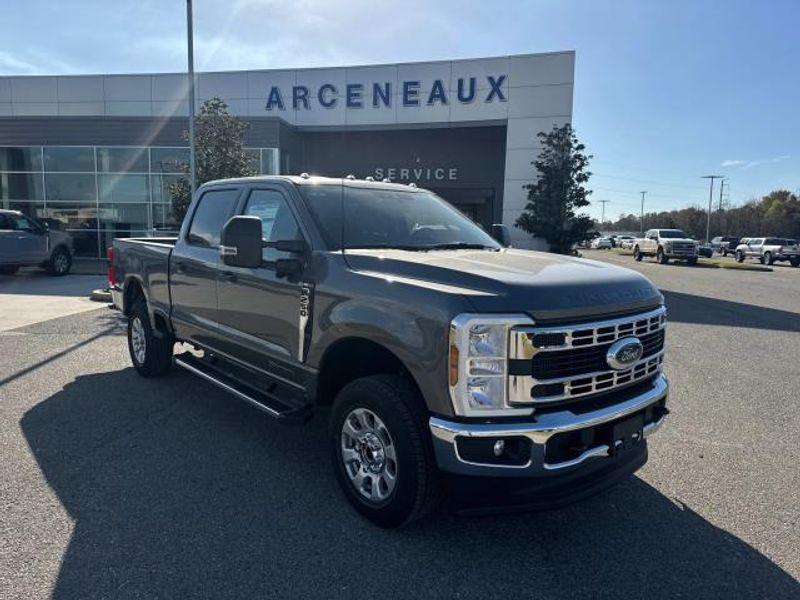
(371,217)
(672,233)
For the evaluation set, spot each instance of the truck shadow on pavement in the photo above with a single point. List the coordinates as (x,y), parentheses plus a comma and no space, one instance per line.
(689,308)
(177,490)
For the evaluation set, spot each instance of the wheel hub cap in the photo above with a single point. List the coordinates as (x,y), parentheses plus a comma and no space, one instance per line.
(138,340)
(369,455)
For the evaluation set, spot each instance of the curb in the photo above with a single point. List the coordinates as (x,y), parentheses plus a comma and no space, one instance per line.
(100,296)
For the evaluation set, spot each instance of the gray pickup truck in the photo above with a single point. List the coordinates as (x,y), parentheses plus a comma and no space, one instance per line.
(446,362)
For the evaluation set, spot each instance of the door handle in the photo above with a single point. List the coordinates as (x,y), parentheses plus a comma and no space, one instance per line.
(229,276)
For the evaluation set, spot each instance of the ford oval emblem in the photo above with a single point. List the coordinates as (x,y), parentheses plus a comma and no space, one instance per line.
(624,353)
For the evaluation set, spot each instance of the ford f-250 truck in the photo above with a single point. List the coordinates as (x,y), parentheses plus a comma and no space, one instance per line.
(503,377)
(665,244)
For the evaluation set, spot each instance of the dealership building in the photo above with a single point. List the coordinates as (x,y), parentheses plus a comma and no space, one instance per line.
(97,153)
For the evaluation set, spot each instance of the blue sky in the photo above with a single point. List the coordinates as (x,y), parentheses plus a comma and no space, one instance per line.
(665,91)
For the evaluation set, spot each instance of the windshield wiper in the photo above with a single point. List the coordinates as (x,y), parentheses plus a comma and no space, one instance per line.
(388,247)
(460,246)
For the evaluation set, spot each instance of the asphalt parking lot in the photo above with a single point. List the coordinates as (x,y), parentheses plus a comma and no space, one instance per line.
(113,486)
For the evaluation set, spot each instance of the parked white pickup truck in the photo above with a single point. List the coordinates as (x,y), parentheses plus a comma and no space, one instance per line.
(665,244)
(769,250)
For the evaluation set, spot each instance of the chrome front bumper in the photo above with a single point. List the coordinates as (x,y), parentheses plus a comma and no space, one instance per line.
(446,433)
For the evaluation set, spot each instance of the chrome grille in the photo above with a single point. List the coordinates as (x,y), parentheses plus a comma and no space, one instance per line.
(682,248)
(552,363)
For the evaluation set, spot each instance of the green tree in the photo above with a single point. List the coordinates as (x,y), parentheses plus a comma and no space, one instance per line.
(558,192)
(219,153)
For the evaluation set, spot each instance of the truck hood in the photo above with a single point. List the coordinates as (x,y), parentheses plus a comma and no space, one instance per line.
(547,286)
(670,240)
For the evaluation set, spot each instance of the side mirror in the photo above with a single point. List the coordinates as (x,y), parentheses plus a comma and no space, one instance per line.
(240,244)
(501,234)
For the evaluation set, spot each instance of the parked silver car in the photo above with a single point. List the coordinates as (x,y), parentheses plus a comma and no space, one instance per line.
(769,250)
(27,242)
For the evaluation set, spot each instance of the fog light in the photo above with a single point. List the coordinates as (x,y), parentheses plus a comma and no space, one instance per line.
(499,446)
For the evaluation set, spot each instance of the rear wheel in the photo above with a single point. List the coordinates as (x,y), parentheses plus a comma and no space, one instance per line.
(637,254)
(795,262)
(739,256)
(382,451)
(661,257)
(9,270)
(60,262)
(151,355)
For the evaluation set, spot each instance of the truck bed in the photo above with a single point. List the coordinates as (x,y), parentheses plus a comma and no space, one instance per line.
(147,259)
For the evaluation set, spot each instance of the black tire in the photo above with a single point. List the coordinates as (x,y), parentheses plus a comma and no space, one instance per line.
(767,258)
(637,255)
(401,410)
(795,262)
(739,256)
(661,257)
(691,261)
(60,262)
(9,270)
(155,357)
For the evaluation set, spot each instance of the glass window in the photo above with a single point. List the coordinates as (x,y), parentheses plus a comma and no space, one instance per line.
(73,216)
(21,158)
(69,158)
(122,160)
(127,216)
(325,202)
(277,220)
(22,223)
(84,242)
(32,209)
(163,219)
(21,186)
(70,187)
(160,186)
(169,160)
(214,209)
(123,188)
(268,161)
(121,231)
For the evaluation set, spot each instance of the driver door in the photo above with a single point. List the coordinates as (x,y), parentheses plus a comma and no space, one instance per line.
(260,313)
(31,239)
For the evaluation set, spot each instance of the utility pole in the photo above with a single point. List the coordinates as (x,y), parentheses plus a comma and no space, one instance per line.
(641,220)
(190,48)
(603,210)
(710,196)
(721,187)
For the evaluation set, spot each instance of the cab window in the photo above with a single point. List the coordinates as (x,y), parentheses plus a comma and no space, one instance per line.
(213,211)
(277,220)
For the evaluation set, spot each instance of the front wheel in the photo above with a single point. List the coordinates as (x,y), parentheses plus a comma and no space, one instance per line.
(60,262)
(767,258)
(382,451)
(739,256)
(637,254)
(661,257)
(691,261)
(795,262)
(151,355)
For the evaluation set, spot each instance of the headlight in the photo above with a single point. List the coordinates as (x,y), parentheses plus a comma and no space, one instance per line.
(478,374)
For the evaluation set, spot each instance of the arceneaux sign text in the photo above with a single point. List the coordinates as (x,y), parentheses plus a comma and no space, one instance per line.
(358,95)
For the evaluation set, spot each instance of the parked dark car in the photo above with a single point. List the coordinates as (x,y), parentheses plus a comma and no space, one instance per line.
(705,250)
(25,241)
(725,245)
(518,379)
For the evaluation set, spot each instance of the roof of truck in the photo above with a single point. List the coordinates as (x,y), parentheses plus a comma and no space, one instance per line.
(306,179)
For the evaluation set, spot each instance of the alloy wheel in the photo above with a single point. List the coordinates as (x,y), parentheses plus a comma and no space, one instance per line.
(369,455)
(138,340)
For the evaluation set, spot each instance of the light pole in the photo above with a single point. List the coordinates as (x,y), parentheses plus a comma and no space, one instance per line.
(710,195)
(190,48)
(603,211)
(641,220)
